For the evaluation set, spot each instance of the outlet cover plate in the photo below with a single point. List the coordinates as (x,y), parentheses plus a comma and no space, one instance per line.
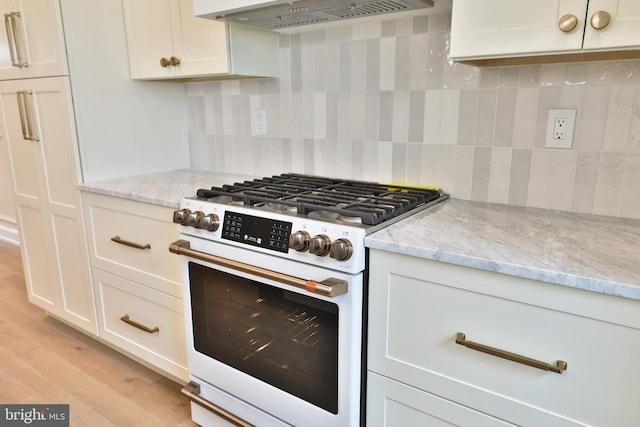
(551,139)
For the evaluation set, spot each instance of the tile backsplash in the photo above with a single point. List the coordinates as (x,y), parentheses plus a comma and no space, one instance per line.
(380,101)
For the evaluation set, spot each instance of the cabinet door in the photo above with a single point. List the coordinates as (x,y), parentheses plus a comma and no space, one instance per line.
(391,404)
(489,28)
(32,39)
(621,32)
(39,129)
(149,37)
(201,44)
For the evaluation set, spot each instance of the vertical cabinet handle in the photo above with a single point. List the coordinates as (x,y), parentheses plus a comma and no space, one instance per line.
(15,50)
(559,367)
(25,115)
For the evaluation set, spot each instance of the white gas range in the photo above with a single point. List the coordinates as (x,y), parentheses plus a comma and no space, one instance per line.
(274,277)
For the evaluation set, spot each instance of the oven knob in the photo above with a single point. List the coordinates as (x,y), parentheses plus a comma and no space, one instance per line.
(341,250)
(319,245)
(209,222)
(180,216)
(193,218)
(299,241)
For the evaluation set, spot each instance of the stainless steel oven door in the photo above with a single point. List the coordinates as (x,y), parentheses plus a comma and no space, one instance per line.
(282,336)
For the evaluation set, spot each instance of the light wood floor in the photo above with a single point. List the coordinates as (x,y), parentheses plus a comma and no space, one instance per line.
(43,361)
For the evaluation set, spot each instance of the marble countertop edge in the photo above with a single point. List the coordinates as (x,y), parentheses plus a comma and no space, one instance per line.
(526,272)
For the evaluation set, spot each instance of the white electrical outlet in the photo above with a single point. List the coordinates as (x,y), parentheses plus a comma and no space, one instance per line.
(560,127)
(259,123)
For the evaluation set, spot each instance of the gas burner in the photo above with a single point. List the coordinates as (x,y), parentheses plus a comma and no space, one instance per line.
(334,216)
(348,201)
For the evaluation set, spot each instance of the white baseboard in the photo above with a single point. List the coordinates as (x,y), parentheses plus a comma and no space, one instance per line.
(9,235)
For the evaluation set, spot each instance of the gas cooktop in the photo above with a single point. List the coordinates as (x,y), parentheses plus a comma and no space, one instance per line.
(362,202)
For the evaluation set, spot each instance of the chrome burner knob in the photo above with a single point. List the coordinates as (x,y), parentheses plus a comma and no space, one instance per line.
(320,245)
(299,241)
(193,219)
(341,250)
(180,216)
(209,222)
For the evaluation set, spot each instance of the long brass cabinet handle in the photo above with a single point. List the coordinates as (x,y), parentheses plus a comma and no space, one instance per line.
(15,50)
(25,115)
(559,367)
(120,241)
(140,326)
(330,287)
(192,391)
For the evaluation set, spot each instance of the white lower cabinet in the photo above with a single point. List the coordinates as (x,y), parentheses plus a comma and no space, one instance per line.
(37,124)
(136,280)
(142,321)
(392,404)
(417,309)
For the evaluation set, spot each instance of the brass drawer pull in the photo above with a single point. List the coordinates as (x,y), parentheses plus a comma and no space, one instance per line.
(128,321)
(558,368)
(192,391)
(117,239)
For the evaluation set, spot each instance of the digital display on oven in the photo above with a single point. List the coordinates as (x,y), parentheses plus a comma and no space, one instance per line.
(255,231)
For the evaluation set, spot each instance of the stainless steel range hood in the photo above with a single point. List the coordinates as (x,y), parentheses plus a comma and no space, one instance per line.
(292,14)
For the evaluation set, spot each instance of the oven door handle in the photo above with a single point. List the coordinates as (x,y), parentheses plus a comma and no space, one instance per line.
(192,391)
(330,287)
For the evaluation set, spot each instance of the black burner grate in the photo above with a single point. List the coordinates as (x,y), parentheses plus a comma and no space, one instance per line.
(372,203)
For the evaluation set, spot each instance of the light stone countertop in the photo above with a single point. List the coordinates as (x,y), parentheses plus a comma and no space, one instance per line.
(590,252)
(595,253)
(164,188)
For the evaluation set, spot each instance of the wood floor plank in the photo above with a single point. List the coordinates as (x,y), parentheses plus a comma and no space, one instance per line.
(43,360)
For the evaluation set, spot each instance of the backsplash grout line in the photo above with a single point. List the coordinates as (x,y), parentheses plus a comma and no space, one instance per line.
(380,101)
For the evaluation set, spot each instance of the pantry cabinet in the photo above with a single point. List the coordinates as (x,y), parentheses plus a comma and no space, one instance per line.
(39,129)
(483,29)
(457,344)
(32,40)
(137,281)
(166,41)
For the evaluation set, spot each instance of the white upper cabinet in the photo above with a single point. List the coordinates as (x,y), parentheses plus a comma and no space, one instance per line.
(167,41)
(622,30)
(213,8)
(32,42)
(500,29)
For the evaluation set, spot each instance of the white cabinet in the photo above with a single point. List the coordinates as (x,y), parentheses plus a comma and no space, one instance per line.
(483,29)
(418,307)
(167,41)
(32,41)
(137,281)
(391,403)
(37,123)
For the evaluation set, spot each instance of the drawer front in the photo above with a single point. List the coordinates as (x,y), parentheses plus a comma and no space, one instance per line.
(142,321)
(131,239)
(417,307)
(392,404)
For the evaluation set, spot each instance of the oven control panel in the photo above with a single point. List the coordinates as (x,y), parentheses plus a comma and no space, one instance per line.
(256,231)
(320,243)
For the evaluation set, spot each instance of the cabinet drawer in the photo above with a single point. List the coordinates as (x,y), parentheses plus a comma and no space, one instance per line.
(391,404)
(115,222)
(119,300)
(418,306)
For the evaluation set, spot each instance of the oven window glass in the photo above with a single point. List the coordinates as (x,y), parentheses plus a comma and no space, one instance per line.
(283,338)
